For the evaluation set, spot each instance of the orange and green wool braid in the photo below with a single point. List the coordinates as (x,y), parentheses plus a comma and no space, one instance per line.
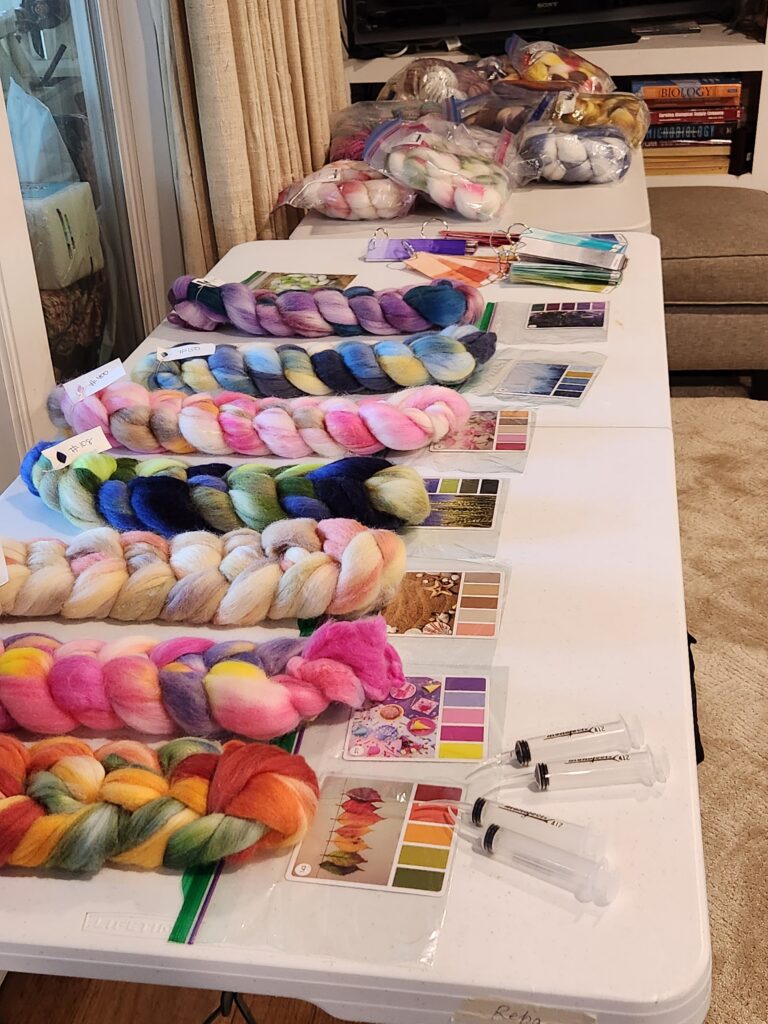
(67,807)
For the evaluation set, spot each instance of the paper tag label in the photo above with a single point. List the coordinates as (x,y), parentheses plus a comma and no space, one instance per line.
(479,1011)
(213,282)
(189,351)
(71,448)
(93,381)
(3,568)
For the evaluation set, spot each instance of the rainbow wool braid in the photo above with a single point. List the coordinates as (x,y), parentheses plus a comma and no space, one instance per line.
(225,423)
(323,312)
(354,367)
(295,568)
(190,685)
(66,807)
(169,496)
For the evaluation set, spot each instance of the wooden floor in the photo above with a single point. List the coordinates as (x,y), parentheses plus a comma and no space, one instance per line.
(37,999)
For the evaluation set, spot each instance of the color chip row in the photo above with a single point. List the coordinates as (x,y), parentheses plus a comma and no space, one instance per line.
(425,845)
(477,611)
(512,430)
(467,485)
(463,719)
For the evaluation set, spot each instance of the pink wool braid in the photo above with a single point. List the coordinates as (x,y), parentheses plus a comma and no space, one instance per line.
(226,422)
(294,569)
(190,684)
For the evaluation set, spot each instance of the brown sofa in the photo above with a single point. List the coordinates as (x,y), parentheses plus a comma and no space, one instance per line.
(714,250)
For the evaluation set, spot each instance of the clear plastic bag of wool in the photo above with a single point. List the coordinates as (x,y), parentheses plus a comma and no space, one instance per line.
(580,321)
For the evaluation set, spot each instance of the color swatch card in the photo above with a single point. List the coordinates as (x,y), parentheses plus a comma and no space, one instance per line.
(462,503)
(380,834)
(428,718)
(447,604)
(542,381)
(490,430)
(554,323)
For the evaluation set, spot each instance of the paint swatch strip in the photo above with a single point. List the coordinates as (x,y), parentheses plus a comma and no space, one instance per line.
(426,846)
(462,503)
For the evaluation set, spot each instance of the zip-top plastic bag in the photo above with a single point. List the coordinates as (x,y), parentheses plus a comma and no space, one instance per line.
(349,190)
(443,162)
(548,62)
(351,126)
(589,156)
(512,105)
(433,79)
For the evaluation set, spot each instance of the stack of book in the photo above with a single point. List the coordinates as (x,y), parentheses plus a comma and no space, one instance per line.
(693,123)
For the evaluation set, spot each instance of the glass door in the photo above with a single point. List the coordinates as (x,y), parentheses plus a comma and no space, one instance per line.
(58,105)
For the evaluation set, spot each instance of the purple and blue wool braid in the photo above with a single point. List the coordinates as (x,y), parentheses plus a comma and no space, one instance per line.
(323,312)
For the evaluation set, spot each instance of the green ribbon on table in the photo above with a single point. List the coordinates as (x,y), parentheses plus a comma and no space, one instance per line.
(197,884)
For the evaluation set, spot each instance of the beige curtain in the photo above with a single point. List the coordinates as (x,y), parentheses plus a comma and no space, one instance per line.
(249,89)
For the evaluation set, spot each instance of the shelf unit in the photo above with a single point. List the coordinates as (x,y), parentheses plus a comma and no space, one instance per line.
(713,50)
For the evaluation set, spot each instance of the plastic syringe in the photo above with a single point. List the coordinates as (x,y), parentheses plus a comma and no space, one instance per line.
(602,770)
(565,835)
(622,734)
(588,880)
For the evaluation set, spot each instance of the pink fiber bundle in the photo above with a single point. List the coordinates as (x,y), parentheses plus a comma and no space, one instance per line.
(227,422)
(192,685)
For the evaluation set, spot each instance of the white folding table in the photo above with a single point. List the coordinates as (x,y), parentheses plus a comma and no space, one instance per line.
(593,623)
(631,389)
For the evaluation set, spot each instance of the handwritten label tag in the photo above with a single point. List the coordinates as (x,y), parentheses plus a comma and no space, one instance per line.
(189,351)
(71,448)
(3,569)
(499,1011)
(93,381)
(210,281)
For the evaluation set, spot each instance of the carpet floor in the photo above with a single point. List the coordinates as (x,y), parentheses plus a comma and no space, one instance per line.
(722,486)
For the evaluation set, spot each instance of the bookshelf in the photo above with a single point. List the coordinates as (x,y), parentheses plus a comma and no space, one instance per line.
(712,51)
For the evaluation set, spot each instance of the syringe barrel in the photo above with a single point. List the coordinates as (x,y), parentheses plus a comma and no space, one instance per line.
(601,770)
(620,735)
(565,835)
(589,881)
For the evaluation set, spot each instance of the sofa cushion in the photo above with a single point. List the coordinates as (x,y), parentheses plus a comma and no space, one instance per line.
(709,337)
(714,244)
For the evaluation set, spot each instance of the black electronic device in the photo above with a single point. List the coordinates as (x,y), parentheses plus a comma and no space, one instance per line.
(388,27)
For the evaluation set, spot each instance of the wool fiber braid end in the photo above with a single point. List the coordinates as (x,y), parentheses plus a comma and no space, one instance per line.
(323,312)
(66,807)
(264,370)
(170,496)
(224,423)
(189,685)
(294,569)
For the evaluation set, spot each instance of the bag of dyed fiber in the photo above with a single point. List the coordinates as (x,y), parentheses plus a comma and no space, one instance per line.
(443,162)
(349,190)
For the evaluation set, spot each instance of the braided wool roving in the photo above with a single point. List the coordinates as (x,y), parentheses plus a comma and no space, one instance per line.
(325,311)
(66,807)
(449,357)
(226,422)
(295,568)
(191,685)
(170,496)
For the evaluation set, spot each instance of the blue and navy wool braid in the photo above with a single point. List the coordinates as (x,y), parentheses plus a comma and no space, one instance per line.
(352,367)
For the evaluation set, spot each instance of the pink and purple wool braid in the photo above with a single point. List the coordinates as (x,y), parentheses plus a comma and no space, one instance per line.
(323,312)
(227,422)
(192,685)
